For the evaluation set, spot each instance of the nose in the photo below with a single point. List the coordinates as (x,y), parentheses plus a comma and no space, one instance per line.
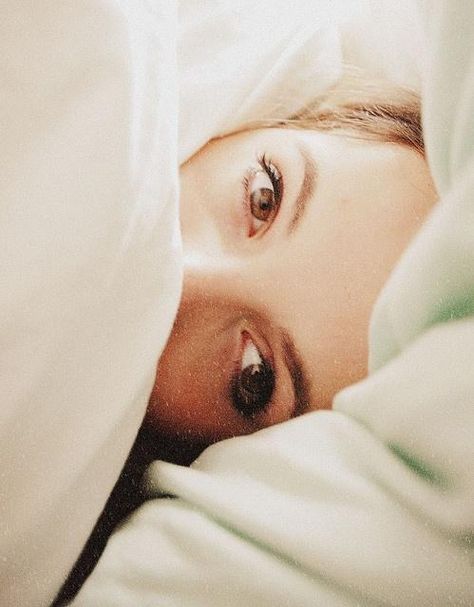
(215,277)
(250,282)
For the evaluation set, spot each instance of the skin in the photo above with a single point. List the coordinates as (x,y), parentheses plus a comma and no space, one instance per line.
(312,285)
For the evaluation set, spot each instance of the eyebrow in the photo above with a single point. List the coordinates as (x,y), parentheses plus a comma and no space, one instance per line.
(308,186)
(299,377)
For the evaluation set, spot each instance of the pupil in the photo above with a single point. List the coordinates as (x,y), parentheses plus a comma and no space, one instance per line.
(262,202)
(253,389)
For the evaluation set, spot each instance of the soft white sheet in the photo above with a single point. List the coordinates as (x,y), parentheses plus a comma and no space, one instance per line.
(371,504)
(89,267)
(242,61)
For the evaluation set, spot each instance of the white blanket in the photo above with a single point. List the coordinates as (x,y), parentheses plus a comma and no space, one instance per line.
(241,61)
(90,272)
(370,504)
(90,265)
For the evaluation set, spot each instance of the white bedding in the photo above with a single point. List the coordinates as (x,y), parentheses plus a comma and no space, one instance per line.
(90,276)
(90,269)
(241,61)
(370,504)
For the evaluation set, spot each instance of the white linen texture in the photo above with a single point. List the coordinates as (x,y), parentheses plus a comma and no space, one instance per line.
(90,269)
(369,504)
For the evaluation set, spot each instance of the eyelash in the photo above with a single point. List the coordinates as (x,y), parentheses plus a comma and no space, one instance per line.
(273,173)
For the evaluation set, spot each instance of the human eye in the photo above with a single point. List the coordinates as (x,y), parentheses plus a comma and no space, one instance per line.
(253,380)
(263,194)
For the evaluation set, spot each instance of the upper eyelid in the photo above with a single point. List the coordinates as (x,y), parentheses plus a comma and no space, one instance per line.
(271,169)
(308,186)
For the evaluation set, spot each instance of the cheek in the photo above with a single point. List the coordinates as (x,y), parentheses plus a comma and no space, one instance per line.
(190,396)
(334,345)
(331,303)
(184,397)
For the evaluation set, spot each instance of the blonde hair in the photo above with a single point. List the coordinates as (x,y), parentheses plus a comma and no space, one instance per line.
(365,109)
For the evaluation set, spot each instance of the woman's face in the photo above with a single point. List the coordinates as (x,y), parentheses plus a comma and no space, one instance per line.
(288,236)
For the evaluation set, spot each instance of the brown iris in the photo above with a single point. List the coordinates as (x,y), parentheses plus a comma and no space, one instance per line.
(262,203)
(252,388)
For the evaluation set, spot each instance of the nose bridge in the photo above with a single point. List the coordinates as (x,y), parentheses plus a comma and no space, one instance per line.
(208,276)
(242,280)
